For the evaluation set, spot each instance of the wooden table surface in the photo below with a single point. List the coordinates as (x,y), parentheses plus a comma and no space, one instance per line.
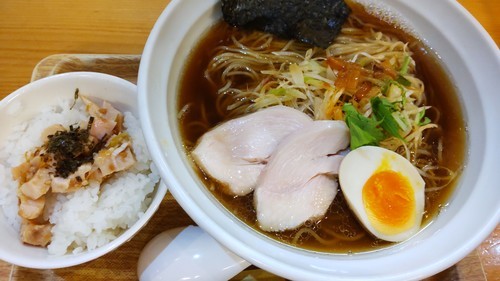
(31,30)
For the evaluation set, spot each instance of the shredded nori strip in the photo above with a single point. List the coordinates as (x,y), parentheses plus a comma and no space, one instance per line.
(316,22)
(72,148)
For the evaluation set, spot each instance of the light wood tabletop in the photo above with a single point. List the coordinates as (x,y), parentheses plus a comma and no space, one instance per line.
(31,30)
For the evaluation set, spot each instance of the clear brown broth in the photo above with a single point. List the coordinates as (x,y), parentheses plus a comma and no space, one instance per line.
(441,93)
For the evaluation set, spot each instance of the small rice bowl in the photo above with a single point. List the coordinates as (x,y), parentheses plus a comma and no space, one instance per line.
(89,217)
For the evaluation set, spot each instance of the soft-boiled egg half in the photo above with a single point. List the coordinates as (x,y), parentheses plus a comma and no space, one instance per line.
(384,190)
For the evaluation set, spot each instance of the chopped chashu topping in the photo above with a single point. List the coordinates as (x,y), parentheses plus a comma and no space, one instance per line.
(68,160)
(36,234)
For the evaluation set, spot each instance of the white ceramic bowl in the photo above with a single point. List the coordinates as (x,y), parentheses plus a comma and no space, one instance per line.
(44,92)
(472,60)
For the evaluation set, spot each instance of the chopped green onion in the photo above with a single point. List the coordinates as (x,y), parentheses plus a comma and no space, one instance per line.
(405,66)
(403,81)
(286,94)
(363,130)
(383,109)
(402,122)
(422,119)
(314,82)
(297,75)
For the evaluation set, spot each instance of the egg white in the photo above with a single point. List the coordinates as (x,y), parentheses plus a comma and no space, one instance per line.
(359,165)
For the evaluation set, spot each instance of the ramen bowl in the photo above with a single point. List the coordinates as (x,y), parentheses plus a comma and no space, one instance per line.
(472,61)
(39,101)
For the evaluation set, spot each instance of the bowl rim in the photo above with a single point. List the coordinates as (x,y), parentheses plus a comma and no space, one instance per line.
(129,90)
(191,205)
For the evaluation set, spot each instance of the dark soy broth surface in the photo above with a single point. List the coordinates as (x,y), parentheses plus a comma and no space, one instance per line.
(202,115)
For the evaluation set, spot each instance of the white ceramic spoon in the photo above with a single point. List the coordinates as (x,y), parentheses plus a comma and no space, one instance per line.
(187,253)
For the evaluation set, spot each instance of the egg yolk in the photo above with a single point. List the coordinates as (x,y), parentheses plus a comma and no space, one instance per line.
(389,201)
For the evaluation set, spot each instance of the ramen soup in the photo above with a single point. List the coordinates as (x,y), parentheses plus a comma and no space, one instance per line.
(234,72)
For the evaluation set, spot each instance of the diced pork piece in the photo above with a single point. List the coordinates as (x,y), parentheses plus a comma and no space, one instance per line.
(20,172)
(27,169)
(115,159)
(36,234)
(60,184)
(30,208)
(90,106)
(112,113)
(102,127)
(73,181)
(107,119)
(38,185)
(95,174)
(298,183)
(235,152)
(107,111)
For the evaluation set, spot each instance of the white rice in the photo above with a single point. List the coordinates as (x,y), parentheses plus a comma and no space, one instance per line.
(92,216)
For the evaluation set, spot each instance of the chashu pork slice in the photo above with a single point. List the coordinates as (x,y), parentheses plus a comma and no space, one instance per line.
(298,184)
(235,152)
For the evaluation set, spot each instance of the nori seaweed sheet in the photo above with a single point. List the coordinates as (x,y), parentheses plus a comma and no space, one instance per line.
(314,22)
